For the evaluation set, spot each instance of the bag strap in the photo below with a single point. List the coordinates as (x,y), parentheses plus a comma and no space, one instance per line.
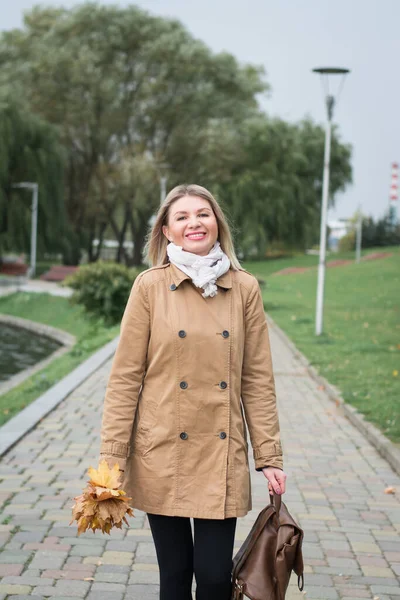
(300,582)
(276,500)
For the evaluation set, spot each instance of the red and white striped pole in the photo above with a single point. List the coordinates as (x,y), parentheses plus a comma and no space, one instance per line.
(394,185)
(394,193)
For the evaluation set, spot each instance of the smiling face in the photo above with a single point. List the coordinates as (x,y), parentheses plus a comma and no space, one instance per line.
(192,225)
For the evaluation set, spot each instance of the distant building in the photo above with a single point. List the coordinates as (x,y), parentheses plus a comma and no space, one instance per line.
(337,230)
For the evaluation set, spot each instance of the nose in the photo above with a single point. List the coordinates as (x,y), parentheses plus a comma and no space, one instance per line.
(194,222)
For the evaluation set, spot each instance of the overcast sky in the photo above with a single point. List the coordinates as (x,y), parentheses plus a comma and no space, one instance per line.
(290,37)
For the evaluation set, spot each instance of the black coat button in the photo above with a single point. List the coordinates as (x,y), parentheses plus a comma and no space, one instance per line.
(222,435)
(183,385)
(225,333)
(184,435)
(182,333)
(172,287)
(223,385)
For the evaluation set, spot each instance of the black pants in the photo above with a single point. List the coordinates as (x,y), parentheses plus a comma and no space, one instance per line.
(209,557)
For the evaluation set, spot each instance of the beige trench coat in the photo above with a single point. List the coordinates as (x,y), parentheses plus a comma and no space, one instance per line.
(184,370)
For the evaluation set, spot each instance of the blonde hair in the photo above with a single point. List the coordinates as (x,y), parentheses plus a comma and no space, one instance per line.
(156,246)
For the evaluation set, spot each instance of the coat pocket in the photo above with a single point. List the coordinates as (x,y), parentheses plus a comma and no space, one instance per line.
(142,442)
(142,435)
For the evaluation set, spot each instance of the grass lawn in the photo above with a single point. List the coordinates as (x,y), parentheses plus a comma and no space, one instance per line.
(359,351)
(57,312)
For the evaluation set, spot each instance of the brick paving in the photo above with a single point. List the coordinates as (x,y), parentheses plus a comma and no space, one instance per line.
(336,483)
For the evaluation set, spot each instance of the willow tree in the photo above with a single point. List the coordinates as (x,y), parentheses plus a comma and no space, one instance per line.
(274,194)
(30,151)
(118,81)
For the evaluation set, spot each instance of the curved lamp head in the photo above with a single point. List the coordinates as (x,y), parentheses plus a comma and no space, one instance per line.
(327,75)
(331,71)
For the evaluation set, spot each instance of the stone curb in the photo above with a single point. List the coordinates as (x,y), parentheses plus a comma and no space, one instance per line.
(29,417)
(383,445)
(66,339)
(40,328)
(13,281)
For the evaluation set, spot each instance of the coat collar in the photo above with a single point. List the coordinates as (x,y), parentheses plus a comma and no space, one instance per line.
(225,281)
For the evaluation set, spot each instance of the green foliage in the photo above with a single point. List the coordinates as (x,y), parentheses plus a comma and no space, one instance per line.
(102,289)
(382,232)
(347,242)
(128,92)
(29,151)
(275,191)
(122,84)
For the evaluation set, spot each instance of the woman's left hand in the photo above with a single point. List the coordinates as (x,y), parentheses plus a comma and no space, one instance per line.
(276,479)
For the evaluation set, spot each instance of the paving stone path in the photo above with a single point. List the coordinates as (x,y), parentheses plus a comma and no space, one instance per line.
(336,484)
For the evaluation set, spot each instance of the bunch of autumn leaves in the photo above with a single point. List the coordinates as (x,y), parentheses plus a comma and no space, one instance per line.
(102,504)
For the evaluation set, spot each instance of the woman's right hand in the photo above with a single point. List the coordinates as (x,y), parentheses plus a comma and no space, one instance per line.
(276,480)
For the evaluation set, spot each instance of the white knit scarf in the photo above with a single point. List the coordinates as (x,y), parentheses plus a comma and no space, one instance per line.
(203,270)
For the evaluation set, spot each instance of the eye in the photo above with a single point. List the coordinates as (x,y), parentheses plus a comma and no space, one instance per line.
(204,215)
(180,218)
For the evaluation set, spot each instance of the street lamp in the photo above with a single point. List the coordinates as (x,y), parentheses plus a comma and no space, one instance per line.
(35,193)
(358,234)
(330,100)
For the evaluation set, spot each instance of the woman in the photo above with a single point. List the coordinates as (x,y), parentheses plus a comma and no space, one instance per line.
(193,355)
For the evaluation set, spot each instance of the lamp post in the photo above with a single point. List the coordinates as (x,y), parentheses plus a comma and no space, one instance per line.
(330,100)
(358,235)
(35,194)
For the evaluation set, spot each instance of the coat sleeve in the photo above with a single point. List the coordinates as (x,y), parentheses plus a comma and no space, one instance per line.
(258,386)
(126,378)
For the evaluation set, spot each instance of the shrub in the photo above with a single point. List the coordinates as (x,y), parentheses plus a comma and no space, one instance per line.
(348,242)
(102,289)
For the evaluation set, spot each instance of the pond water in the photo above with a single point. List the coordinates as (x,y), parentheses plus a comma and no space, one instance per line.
(20,349)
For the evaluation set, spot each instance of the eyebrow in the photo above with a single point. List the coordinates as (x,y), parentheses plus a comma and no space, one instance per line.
(184,212)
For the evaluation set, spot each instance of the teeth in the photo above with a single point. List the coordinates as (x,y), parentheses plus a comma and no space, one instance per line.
(196,235)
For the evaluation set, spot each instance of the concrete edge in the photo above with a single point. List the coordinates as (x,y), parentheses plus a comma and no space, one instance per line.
(13,281)
(66,339)
(17,427)
(381,443)
(40,328)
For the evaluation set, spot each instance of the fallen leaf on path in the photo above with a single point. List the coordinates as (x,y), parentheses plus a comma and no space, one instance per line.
(390,490)
(88,579)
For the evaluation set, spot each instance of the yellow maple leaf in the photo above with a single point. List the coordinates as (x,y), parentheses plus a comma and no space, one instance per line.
(104,476)
(104,494)
(82,525)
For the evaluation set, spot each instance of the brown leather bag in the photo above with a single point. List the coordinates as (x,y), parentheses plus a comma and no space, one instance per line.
(263,565)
